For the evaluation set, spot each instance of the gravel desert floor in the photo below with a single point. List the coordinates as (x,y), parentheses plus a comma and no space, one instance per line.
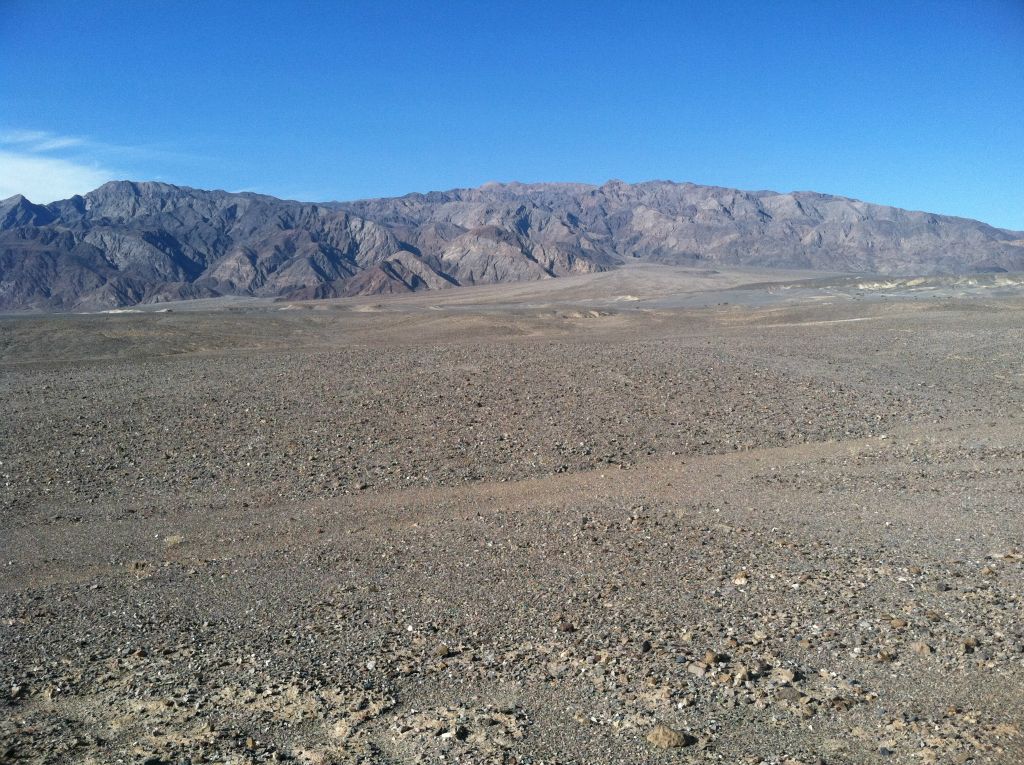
(528,525)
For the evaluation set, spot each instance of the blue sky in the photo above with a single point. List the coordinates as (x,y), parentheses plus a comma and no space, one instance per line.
(916,104)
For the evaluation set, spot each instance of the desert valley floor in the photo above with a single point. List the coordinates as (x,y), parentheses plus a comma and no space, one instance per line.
(647,516)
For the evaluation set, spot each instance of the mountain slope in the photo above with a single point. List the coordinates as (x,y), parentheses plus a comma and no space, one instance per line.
(127,243)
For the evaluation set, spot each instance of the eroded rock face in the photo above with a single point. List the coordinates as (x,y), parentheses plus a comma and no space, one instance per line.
(127,243)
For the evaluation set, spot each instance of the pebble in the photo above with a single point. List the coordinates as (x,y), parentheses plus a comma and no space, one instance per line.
(663,737)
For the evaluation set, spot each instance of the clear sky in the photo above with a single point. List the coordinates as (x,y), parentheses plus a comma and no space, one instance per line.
(916,104)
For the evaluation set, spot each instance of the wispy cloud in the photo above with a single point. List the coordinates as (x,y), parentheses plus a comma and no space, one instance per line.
(46,166)
(52,144)
(45,179)
(23,136)
(37,141)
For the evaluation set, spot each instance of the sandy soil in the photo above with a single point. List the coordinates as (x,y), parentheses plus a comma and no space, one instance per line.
(547,525)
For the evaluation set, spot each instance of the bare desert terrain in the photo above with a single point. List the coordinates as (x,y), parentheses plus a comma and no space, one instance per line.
(651,515)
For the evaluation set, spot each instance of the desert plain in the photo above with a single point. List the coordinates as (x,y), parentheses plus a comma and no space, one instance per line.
(654,515)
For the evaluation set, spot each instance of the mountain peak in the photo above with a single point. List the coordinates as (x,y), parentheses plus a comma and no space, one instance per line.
(19,211)
(136,188)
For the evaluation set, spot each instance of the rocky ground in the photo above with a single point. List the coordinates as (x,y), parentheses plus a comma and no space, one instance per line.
(788,534)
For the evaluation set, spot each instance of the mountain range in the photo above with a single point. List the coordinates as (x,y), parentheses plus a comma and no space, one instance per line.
(142,242)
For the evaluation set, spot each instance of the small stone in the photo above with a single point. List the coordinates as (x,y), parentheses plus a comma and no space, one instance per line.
(783,675)
(757,668)
(664,737)
(697,668)
(968,645)
(711,657)
(789,693)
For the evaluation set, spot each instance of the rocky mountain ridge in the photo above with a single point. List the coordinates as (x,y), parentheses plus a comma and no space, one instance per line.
(142,242)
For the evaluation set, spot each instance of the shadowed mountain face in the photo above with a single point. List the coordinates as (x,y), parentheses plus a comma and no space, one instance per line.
(127,243)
